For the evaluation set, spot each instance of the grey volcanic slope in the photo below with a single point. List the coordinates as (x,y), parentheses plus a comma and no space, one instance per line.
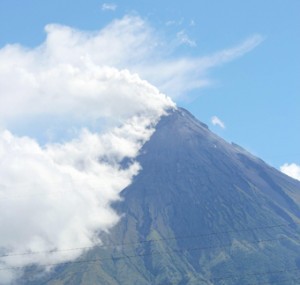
(202,211)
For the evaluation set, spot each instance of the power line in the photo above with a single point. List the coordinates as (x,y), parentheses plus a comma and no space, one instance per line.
(151,240)
(175,250)
(141,255)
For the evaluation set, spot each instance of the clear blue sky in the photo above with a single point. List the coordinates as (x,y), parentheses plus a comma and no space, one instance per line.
(257,96)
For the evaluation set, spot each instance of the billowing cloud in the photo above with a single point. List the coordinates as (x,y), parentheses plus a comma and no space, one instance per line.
(71,110)
(131,43)
(217,122)
(57,195)
(292,170)
(109,7)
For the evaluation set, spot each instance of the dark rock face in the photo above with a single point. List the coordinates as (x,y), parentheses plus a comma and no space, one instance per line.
(201,211)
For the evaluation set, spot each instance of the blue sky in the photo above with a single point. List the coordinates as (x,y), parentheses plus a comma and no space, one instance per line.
(257,96)
(82,86)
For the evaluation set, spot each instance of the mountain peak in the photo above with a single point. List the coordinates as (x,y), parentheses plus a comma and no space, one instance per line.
(182,114)
(200,210)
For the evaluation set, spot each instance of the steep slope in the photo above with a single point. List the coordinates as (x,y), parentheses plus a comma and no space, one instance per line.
(201,211)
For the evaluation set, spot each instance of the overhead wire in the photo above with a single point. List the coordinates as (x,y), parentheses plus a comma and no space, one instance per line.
(124,256)
(183,237)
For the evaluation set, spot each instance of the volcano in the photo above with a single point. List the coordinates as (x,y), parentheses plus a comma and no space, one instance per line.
(201,211)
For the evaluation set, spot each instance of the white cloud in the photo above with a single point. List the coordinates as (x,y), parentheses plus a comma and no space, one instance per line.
(109,7)
(217,122)
(133,45)
(184,39)
(58,195)
(292,170)
(178,76)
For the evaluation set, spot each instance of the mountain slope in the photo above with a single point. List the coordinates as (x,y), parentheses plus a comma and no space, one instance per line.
(201,211)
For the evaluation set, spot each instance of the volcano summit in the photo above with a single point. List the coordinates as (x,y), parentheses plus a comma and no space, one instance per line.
(201,211)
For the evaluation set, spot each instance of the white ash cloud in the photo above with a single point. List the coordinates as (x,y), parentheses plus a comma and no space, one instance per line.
(56,194)
(130,43)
